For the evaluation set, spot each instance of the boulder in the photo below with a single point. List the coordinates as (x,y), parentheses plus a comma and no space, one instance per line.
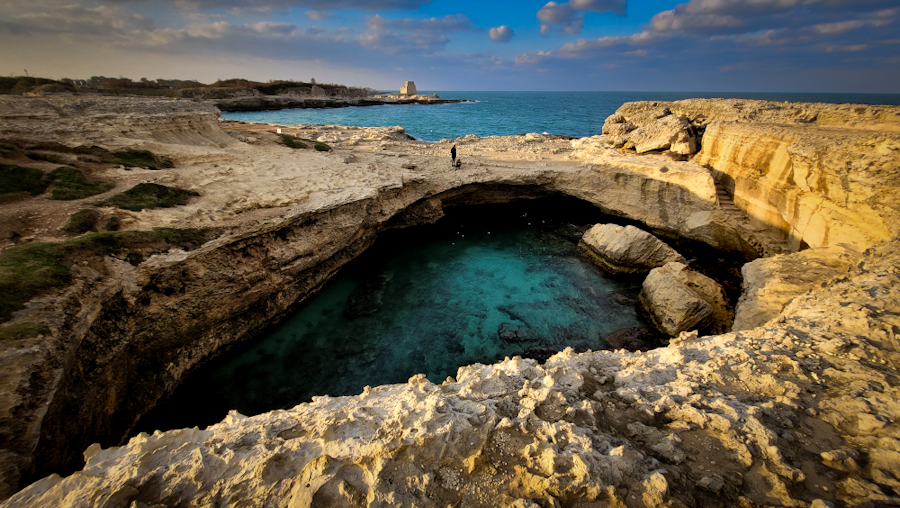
(408,88)
(677,299)
(625,250)
(670,132)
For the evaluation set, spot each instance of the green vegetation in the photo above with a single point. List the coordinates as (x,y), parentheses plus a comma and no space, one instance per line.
(292,142)
(43,156)
(150,195)
(138,159)
(82,221)
(28,271)
(25,84)
(32,270)
(46,150)
(71,184)
(17,182)
(22,331)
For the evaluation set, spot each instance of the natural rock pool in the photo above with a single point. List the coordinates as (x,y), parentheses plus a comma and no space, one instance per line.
(484,282)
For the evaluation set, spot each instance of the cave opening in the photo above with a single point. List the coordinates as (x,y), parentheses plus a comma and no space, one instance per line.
(484,282)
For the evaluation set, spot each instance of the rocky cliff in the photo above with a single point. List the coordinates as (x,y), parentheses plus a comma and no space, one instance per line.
(798,409)
(818,172)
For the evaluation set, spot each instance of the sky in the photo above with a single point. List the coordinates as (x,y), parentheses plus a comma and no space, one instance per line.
(642,45)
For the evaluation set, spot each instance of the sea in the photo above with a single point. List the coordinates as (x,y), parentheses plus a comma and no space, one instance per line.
(575,114)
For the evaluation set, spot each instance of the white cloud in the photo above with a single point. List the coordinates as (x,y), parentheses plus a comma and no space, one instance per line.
(569,15)
(426,36)
(318,15)
(501,33)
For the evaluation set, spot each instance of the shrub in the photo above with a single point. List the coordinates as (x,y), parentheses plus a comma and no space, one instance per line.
(71,184)
(292,142)
(42,156)
(15,180)
(139,158)
(82,221)
(150,195)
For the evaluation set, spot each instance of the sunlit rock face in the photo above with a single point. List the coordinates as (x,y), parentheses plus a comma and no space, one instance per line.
(678,299)
(822,173)
(626,249)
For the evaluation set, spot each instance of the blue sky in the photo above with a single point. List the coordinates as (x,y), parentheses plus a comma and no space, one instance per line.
(654,45)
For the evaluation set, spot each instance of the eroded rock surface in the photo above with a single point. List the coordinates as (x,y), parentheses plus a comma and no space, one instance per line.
(770,283)
(627,249)
(800,410)
(770,416)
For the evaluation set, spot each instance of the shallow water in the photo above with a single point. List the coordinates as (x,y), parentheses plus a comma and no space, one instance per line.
(501,280)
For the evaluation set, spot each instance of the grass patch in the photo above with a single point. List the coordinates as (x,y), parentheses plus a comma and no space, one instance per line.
(292,142)
(150,195)
(18,180)
(82,221)
(42,156)
(35,269)
(28,271)
(139,159)
(71,184)
(22,331)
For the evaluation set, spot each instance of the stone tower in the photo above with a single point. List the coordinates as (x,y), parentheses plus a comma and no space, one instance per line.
(408,88)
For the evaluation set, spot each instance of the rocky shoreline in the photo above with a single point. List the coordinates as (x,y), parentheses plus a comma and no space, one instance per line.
(274,102)
(796,406)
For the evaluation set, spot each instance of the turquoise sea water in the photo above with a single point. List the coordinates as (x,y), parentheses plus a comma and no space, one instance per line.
(481,284)
(574,114)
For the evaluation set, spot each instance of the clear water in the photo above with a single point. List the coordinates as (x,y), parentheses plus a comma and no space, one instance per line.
(501,280)
(576,114)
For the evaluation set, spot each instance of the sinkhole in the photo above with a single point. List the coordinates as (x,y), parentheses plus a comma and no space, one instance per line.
(482,283)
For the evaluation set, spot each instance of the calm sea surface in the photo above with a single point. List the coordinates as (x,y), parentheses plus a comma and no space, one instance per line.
(575,114)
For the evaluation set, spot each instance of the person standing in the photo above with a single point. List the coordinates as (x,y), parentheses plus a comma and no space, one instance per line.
(453,156)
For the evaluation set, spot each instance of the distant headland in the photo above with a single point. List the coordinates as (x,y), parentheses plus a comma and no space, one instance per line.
(234,94)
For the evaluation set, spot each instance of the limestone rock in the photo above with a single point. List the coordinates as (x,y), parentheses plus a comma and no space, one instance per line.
(626,249)
(819,173)
(408,88)
(770,283)
(677,299)
(671,133)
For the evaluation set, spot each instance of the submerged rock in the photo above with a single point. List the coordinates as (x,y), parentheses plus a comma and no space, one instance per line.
(633,339)
(677,299)
(627,249)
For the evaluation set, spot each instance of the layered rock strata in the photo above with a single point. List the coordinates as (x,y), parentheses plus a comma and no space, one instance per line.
(803,408)
(626,249)
(817,172)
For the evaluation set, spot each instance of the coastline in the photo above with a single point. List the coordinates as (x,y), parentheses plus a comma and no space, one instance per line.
(276,102)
